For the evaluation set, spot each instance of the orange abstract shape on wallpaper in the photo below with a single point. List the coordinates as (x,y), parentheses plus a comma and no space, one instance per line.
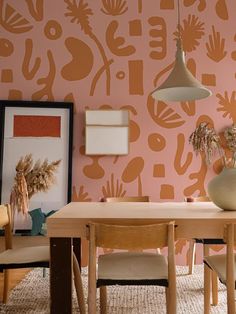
(179,245)
(46,91)
(113,188)
(27,72)
(133,171)
(156,142)
(12,20)
(53,30)
(140,6)
(191,32)
(135,28)
(135,77)
(227,105)
(134,131)
(201,5)
(120,75)
(6,47)
(221,10)
(82,60)
(189,107)
(36,126)
(167,4)
(197,188)
(205,118)
(216,46)
(81,196)
(94,170)
(209,79)
(15,94)
(233,54)
(159,171)
(182,168)
(163,114)
(167,192)
(6,76)
(70,98)
(159,33)
(37,10)
(79,14)
(114,7)
(115,43)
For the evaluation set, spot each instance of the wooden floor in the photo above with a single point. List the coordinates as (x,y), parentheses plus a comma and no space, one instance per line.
(16,276)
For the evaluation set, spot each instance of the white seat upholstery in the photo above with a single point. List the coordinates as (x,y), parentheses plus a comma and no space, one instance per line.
(218,263)
(132,266)
(25,255)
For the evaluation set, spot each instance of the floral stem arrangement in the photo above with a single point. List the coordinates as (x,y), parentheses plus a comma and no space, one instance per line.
(205,140)
(30,179)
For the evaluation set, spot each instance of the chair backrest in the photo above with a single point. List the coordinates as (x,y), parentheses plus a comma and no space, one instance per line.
(6,223)
(126,199)
(197,199)
(130,237)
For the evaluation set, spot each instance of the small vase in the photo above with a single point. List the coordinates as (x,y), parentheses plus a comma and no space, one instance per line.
(222,189)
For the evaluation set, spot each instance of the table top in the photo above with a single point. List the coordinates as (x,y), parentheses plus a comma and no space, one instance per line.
(68,220)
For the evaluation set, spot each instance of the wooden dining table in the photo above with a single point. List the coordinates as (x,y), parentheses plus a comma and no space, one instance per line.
(193,220)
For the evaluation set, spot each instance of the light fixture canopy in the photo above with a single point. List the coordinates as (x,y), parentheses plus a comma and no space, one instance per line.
(180,85)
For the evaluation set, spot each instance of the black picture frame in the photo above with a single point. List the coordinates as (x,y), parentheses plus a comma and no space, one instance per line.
(41,105)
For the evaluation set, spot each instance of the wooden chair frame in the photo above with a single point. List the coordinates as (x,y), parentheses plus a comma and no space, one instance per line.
(230,240)
(130,238)
(206,243)
(6,219)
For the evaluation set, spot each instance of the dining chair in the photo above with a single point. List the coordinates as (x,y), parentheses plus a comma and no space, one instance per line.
(206,243)
(130,267)
(225,267)
(28,257)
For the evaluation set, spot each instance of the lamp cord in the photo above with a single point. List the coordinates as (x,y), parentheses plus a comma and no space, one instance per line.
(178,12)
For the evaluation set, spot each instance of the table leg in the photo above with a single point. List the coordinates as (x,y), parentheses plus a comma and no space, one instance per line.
(77,249)
(61,275)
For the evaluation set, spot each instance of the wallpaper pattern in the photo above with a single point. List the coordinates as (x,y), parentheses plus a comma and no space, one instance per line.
(111,54)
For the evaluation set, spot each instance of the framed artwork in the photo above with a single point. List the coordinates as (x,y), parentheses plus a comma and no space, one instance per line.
(45,130)
(106,132)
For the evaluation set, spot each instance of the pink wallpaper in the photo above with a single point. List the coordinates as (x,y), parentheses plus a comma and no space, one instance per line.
(112,54)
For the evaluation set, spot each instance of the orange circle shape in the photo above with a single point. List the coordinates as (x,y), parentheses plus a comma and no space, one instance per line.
(6,47)
(53,30)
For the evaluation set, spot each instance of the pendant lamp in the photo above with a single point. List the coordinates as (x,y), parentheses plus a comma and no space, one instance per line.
(180,85)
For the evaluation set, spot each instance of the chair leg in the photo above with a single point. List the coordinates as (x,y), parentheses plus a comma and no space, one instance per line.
(207,289)
(192,250)
(6,285)
(103,300)
(214,281)
(78,285)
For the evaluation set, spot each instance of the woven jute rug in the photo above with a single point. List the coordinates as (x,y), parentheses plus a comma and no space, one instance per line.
(32,296)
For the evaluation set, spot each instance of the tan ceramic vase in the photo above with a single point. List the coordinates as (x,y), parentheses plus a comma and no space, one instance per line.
(222,189)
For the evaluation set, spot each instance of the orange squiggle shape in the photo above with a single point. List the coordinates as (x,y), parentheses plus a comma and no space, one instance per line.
(47,81)
(29,74)
(181,169)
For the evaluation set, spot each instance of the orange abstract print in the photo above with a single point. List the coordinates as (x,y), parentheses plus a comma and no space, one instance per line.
(36,126)
(111,54)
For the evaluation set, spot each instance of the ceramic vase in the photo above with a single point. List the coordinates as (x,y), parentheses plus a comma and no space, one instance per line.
(222,189)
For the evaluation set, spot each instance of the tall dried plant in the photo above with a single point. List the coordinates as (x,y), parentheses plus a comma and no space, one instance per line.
(204,139)
(30,179)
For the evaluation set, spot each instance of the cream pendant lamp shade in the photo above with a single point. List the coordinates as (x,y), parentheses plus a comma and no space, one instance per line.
(180,85)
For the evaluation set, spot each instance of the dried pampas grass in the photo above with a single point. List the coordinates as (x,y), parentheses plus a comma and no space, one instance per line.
(30,179)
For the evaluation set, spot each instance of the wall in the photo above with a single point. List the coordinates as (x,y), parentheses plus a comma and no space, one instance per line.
(102,55)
